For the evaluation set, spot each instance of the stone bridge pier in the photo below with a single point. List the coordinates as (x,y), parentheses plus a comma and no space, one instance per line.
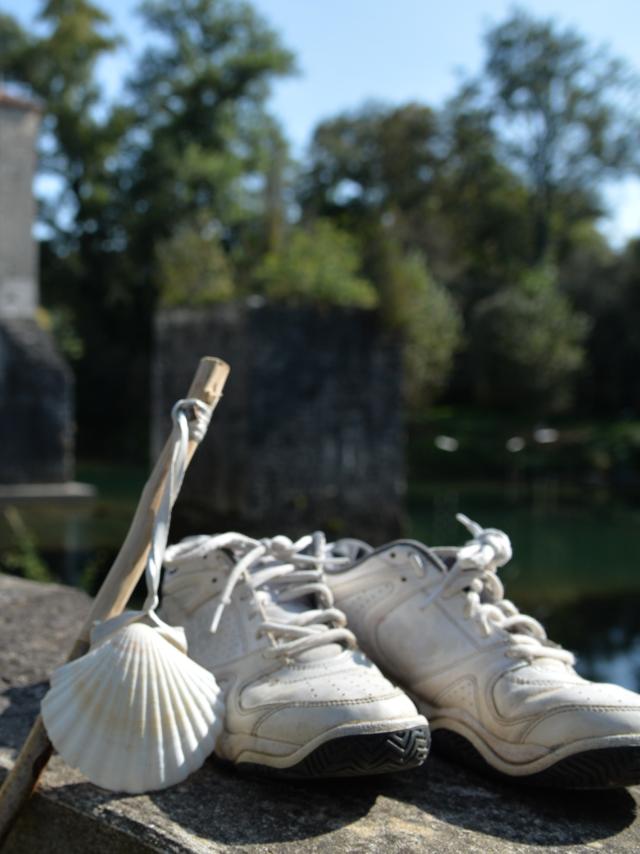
(310,432)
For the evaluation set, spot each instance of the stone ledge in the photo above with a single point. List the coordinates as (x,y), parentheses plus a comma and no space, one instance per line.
(438,808)
(33,493)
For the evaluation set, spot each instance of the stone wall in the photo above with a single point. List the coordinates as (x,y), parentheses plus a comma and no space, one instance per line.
(19,122)
(309,433)
(36,406)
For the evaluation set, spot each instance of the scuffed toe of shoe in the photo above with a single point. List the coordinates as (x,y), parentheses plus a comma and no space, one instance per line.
(597,711)
(301,702)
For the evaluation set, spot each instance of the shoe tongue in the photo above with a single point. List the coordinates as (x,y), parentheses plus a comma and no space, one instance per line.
(352,549)
(321,653)
(553,668)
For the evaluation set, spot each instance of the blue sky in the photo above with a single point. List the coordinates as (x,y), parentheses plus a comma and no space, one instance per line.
(350,51)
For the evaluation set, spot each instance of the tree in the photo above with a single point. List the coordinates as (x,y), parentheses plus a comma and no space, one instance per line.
(606,286)
(378,164)
(319,265)
(424,315)
(202,138)
(485,203)
(432,180)
(373,158)
(563,112)
(526,344)
(192,267)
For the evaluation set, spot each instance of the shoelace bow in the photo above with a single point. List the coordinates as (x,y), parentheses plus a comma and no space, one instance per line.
(280,563)
(475,573)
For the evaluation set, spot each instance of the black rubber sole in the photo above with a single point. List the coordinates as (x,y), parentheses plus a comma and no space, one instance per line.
(356,756)
(602,768)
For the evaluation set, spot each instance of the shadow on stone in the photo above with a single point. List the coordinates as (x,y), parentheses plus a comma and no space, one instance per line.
(18,715)
(232,808)
(219,804)
(464,799)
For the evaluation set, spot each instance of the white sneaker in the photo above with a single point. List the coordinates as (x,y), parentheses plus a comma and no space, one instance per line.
(301,701)
(498,694)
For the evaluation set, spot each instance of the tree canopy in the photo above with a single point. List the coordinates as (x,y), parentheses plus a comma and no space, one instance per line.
(447,219)
(566,114)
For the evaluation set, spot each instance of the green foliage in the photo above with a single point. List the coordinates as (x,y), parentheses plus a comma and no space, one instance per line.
(433,181)
(380,165)
(566,117)
(24,558)
(606,286)
(317,264)
(433,331)
(202,131)
(486,205)
(13,43)
(192,268)
(527,346)
(61,323)
(386,155)
(428,320)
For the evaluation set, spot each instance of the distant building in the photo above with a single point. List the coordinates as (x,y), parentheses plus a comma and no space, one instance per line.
(36,387)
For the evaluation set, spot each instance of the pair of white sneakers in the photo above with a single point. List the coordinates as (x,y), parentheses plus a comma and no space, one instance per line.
(269,618)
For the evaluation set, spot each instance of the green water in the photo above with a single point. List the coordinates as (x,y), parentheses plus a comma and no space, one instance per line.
(575,562)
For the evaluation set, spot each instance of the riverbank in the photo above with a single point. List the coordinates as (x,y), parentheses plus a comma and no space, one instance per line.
(452,443)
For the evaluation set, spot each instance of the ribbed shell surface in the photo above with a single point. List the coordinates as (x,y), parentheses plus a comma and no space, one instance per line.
(134,714)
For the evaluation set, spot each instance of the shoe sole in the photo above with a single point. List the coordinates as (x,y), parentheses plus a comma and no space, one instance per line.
(599,768)
(355,756)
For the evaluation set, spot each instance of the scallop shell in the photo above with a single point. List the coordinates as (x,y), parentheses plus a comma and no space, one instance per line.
(134,714)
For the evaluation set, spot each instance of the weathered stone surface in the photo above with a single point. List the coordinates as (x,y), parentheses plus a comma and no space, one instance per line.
(19,124)
(36,405)
(31,493)
(309,433)
(440,808)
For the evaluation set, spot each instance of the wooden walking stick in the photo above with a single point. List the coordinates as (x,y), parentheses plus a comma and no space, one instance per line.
(112,597)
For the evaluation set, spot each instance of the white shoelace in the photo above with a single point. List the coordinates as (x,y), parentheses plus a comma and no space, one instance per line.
(289,574)
(475,573)
(191,419)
